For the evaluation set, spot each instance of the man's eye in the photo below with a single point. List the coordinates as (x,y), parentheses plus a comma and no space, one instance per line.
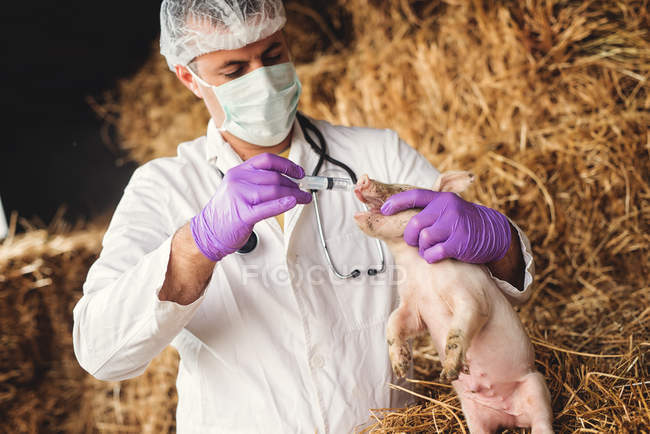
(235,73)
(273,58)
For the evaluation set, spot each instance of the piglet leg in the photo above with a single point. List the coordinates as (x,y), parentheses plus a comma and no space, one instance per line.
(470,313)
(483,420)
(535,401)
(402,325)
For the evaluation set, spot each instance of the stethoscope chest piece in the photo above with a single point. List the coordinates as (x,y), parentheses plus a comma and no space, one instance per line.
(252,241)
(250,245)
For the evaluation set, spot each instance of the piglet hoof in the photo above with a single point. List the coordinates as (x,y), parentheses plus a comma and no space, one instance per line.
(400,358)
(448,375)
(401,368)
(454,357)
(452,367)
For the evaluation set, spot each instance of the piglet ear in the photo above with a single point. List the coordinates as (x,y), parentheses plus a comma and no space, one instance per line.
(362,184)
(454,181)
(363,181)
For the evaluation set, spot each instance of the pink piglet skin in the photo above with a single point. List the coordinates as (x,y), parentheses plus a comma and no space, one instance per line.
(485,351)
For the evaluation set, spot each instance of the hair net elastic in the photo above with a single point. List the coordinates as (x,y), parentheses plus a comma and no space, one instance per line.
(189,28)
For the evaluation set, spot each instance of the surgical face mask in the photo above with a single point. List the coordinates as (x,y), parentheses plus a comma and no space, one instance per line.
(259,107)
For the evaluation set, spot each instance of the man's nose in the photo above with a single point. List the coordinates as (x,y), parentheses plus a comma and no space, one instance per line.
(256,63)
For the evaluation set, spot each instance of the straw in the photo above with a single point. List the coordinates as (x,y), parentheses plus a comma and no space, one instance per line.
(547,102)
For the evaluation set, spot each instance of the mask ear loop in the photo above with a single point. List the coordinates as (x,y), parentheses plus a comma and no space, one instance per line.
(212,88)
(197,78)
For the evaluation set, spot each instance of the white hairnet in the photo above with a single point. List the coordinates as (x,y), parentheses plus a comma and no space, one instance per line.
(189,28)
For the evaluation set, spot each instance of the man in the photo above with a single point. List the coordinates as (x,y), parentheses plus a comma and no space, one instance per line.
(271,340)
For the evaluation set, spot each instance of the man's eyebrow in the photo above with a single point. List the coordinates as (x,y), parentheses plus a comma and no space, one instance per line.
(271,48)
(243,62)
(233,62)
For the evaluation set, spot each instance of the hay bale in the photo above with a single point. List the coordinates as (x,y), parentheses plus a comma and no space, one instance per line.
(43,387)
(146,404)
(548,102)
(41,273)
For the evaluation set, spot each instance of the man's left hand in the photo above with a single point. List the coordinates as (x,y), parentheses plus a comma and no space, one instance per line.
(451,227)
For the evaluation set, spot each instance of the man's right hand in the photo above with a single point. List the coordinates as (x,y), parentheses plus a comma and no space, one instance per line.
(248,193)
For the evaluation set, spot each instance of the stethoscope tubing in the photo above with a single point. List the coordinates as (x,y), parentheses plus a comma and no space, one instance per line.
(354,273)
(321,150)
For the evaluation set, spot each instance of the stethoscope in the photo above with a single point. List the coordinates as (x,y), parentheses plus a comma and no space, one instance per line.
(321,149)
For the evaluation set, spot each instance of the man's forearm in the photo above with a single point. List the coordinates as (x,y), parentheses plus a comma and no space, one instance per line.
(511,267)
(188,271)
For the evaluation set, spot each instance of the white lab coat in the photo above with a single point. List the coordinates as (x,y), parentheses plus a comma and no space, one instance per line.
(276,343)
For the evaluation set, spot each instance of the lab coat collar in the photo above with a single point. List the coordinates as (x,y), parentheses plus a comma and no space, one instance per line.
(301,154)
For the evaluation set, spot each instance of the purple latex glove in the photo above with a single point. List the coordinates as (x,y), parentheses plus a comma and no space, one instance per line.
(248,193)
(450,227)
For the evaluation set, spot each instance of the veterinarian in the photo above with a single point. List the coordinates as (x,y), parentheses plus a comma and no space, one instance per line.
(270,338)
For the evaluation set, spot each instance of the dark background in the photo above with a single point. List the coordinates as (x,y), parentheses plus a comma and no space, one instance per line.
(56,55)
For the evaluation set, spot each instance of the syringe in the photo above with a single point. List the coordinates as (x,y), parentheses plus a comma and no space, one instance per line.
(323,183)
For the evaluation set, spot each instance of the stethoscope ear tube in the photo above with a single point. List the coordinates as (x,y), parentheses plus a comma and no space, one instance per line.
(321,150)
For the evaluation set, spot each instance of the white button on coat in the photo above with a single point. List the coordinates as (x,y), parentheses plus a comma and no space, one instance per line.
(248,362)
(317,361)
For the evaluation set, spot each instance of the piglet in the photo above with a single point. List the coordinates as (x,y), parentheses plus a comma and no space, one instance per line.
(485,352)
